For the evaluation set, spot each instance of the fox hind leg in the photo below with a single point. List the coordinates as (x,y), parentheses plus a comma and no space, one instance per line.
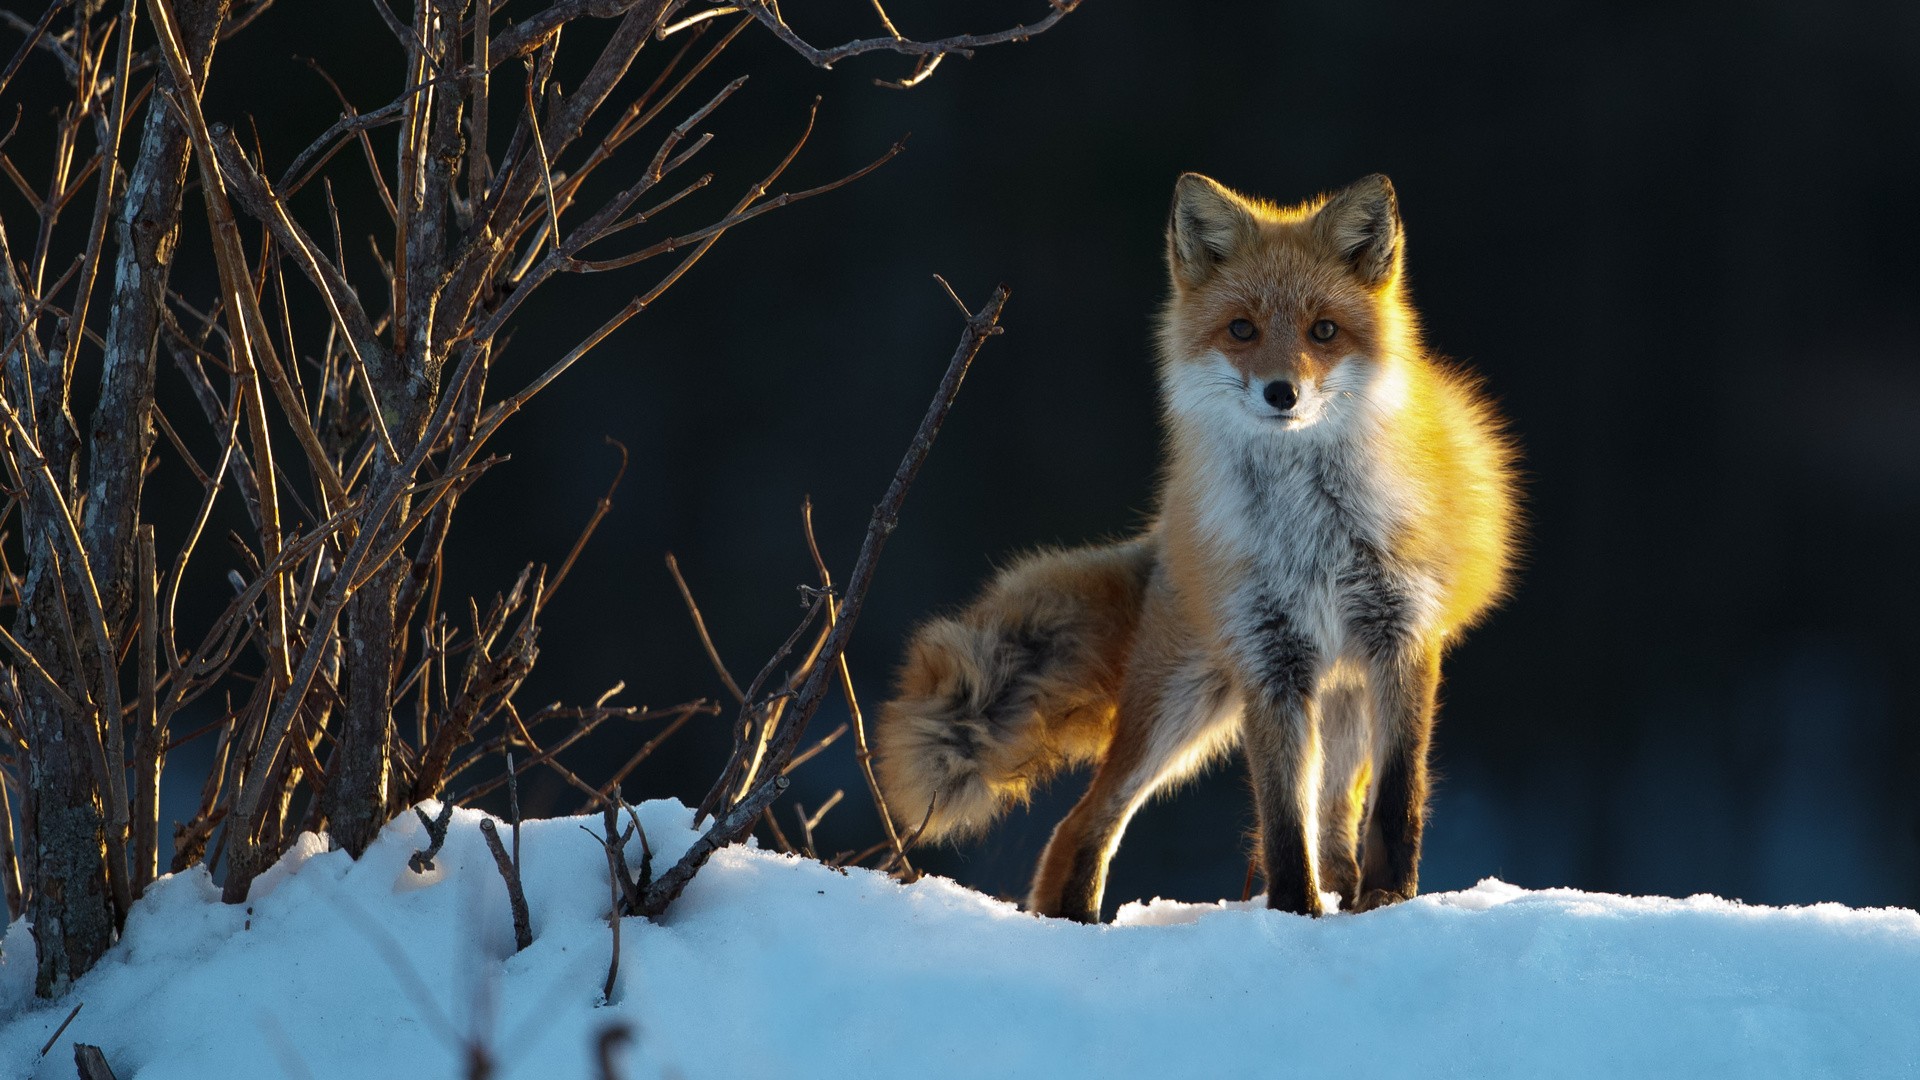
(1173,719)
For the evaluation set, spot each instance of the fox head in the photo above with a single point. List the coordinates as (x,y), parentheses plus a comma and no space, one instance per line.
(1284,317)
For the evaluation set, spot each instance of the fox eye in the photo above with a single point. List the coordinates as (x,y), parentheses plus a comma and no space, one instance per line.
(1241,329)
(1324,330)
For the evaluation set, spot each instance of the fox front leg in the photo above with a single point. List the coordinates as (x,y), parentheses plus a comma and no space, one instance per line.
(1282,742)
(1404,686)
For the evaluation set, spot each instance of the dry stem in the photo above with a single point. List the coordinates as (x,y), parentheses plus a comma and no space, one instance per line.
(734,825)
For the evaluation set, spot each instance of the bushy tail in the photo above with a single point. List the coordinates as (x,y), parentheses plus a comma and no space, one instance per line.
(1020,684)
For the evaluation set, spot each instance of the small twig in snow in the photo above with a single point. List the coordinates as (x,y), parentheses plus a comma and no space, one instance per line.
(516,898)
(614,917)
(422,861)
(626,889)
(55,1037)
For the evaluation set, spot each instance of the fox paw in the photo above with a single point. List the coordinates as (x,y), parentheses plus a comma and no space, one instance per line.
(1377,898)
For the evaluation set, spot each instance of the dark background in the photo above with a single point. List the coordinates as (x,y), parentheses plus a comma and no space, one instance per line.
(1676,238)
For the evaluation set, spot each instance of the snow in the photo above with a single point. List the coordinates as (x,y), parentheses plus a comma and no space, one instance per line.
(771,965)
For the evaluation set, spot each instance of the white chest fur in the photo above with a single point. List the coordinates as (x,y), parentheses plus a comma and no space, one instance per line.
(1302,521)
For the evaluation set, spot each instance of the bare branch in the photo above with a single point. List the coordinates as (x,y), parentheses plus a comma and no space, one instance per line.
(479,163)
(251,189)
(922,71)
(740,215)
(729,828)
(109,750)
(593,720)
(700,628)
(862,753)
(912,839)
(48,683)
(540,155)
(817,748)
(34,33)
(510,873)
(400,31)
(599,512)
(10,877)
(422,861)
(61,1030)
(734,825)
(246,327)
(953,296)
(695,19)
(528,34)
(149,746)
(768,14)
(321,150)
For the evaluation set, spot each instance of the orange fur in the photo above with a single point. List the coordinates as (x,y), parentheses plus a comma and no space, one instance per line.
(1021,684)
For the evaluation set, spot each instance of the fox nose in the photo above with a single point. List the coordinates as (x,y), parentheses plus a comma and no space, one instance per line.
(1281,394)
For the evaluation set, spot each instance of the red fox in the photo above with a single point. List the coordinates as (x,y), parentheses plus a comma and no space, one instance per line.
(1338,506)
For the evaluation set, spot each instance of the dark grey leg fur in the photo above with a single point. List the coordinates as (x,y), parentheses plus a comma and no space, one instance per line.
(1278,730)
(1278,737)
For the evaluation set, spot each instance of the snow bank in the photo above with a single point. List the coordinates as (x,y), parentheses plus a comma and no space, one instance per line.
(774,966)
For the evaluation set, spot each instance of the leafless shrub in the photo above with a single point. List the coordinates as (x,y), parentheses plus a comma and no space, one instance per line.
(348,438)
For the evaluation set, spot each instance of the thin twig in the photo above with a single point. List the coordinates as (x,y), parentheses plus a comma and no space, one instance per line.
(808,822)
(33,38)
(422,861)
(599,511)
(616,881)
(923,70)
(768,13)
(739,216)
(510,873)
(55,1037)
(694,19)
(912,839)
(700,628)
(540,154)
(811,752)
(861,752)
(10,878)
(513,805)
(734,825)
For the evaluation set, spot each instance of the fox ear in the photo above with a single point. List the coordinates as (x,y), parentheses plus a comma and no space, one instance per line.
(1208,224)
(1362,220)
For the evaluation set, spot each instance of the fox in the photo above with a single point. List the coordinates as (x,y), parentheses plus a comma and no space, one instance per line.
(1337,506)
